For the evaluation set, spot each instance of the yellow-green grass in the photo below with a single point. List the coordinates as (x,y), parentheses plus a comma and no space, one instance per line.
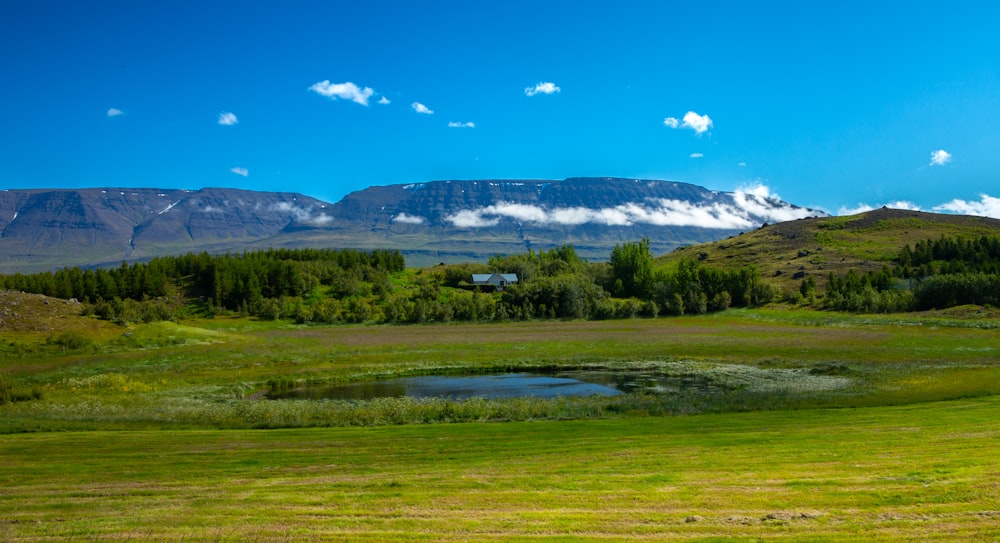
(210,374)
(820,246)
(902,448)
(924,472)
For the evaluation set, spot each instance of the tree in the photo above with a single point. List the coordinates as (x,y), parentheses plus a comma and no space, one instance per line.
(632,270)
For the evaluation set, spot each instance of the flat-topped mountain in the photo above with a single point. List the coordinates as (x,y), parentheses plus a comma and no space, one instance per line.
(429,222)
(471,220)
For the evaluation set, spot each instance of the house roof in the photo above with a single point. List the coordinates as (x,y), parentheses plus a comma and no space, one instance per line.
(487,277)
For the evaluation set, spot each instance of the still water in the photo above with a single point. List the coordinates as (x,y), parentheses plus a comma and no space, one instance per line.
(507,385)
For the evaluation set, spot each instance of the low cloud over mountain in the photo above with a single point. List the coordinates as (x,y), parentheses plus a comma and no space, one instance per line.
(429,222)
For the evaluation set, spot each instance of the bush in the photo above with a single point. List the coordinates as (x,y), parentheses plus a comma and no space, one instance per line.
(10,392)
(71,340)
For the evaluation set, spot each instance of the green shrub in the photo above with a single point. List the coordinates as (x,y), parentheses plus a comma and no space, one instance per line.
(71,340)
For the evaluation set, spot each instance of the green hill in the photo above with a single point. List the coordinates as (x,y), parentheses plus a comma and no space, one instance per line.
(787,252)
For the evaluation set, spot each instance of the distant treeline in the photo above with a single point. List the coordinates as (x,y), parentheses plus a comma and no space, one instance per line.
(934,274)
(332,286)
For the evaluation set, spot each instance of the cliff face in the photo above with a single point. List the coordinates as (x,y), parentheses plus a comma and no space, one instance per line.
(428,222)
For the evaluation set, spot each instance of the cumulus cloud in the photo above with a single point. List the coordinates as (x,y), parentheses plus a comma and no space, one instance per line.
(940,157)
(408,219)
(114,112)
(699,123)
(302,215)
(859,208)
(344,91)
(240,171)
(745,210)
(420,108)
(696,155)
(987,206)
(864,208)
(469,218)
(457,124)
(544,87)
(384,101)
(227,118)
(903,204)
(758,200)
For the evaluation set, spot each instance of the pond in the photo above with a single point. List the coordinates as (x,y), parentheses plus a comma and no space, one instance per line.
(506,385)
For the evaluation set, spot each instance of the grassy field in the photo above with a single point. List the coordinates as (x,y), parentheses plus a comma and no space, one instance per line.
(916,473)
(831,427)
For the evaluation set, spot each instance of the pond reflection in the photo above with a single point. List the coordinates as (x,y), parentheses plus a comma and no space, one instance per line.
(507,385)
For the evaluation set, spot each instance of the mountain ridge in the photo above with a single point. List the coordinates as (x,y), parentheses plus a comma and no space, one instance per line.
(431,221)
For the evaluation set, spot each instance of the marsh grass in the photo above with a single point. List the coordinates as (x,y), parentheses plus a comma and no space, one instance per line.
(212,373)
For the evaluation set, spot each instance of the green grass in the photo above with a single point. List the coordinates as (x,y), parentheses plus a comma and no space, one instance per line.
(834,427)
(820,246)
(914,473)
(206,373)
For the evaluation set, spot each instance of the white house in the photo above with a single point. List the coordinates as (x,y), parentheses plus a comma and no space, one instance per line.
(498,280)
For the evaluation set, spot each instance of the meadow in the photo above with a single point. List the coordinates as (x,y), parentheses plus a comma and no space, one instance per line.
(831,427)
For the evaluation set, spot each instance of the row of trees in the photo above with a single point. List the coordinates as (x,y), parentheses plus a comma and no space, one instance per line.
(935,274)
(332,286)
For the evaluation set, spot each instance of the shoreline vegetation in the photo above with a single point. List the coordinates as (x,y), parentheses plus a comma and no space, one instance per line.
(213,373)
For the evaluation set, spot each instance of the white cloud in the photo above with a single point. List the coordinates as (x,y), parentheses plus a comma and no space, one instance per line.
(699,123)
(759,190)
(240,171)
(114,112)
(456,124)
(420,108)
(758,200)
(468,218)
(545,87)
(696,155)
(344,91)
(742,164)
(384,101)
(903,204)
(860,208)
(227,119)
(864,208)
(987,206)
(940,157)
(408,219)
(747,210)
(301,214)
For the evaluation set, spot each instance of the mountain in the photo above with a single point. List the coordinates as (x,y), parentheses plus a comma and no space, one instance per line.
(787,252)
(46,229)
(429,222)
(471,220)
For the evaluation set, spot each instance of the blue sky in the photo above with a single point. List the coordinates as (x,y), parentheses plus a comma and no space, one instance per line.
(835,105)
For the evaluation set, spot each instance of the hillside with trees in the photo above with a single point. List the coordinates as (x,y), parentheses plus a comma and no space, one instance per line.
(883,261)
(351,286)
